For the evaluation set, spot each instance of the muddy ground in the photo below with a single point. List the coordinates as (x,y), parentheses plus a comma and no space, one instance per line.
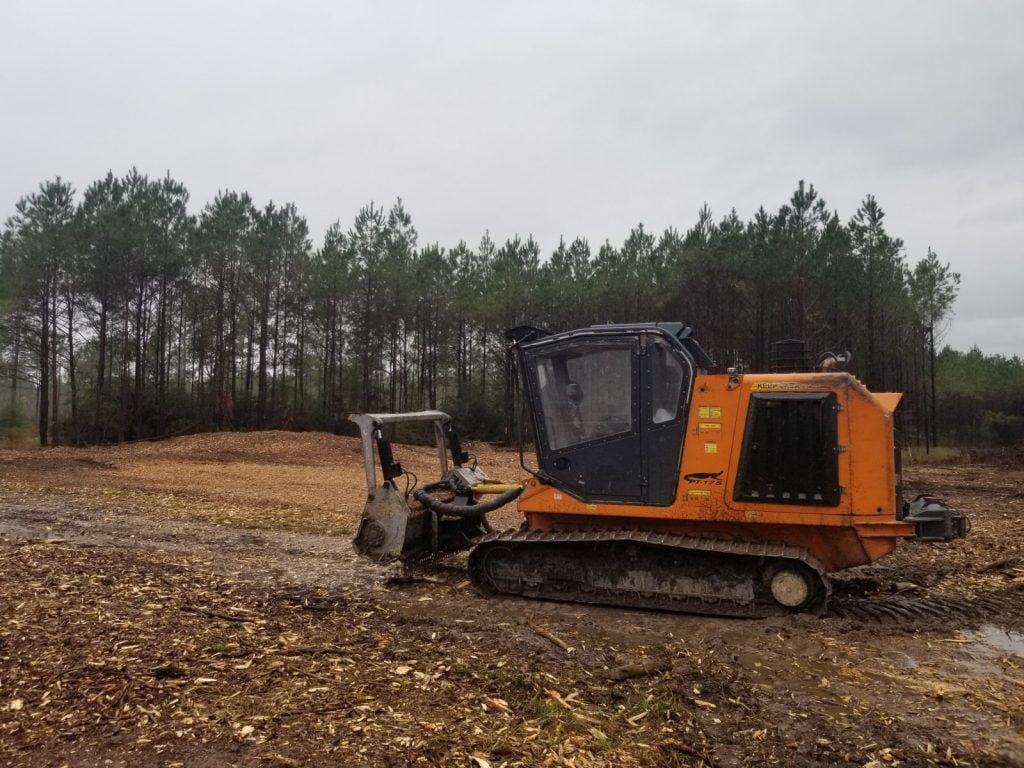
(195,602)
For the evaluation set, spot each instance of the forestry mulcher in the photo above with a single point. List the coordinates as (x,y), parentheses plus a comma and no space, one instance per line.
(659,485)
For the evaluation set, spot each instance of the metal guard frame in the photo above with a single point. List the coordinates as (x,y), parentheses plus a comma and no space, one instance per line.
(369,423)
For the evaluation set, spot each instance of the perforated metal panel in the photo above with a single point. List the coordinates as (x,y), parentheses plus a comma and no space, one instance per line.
(789,450)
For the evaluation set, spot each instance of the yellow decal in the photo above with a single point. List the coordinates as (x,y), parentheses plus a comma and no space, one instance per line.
(592,507)
(710,447)
(767,386)
(709,412)
(751,514)
(709,426)
(698,495)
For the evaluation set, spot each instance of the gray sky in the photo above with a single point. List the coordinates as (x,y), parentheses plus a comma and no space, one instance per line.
(550,118)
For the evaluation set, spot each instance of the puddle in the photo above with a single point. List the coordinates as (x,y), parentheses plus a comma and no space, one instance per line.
(992,641)
(902,660)
(984,647)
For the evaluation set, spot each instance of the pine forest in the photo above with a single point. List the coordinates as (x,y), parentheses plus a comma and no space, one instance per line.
(124,315)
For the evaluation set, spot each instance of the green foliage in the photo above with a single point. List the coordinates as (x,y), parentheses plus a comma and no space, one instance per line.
(1007,429)
(983,397)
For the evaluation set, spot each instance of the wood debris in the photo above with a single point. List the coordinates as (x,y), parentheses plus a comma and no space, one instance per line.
(547,634)
(193,613)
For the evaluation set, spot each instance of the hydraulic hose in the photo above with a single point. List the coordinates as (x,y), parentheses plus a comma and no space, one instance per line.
(458,510)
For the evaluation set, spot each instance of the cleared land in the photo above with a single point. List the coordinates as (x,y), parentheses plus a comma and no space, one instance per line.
(196,602)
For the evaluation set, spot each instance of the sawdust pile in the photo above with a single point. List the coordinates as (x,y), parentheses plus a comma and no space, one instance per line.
(310,481)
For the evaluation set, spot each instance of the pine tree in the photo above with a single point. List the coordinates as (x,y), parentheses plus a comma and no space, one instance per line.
(934,288)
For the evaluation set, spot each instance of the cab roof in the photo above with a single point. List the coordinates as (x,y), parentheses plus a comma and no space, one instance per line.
(681,334)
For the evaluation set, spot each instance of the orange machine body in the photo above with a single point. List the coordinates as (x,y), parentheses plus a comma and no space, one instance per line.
(861,528)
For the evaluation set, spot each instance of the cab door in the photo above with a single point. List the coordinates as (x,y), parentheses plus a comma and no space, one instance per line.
(666,383)
(586,400)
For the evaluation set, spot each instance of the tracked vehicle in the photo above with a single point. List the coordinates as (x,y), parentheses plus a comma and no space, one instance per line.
(659,485)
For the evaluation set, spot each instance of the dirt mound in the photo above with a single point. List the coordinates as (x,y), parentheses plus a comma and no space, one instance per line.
(267,446)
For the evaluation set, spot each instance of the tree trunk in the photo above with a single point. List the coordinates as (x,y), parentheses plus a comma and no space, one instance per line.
(14,369)
(44,369)
(299,368)
(261,406)
(54,370)
(101,363)
(122,428)
(934,412)
(274,358)
(248,364)
(71,363)
(232,386)
(161,341)
(140,370)
(219,355)
(180,372)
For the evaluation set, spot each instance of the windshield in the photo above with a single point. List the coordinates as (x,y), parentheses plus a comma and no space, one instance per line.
(586,393)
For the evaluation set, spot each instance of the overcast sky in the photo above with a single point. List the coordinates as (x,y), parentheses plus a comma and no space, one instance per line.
(548,118)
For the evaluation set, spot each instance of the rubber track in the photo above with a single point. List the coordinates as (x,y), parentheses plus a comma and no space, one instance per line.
(719,607)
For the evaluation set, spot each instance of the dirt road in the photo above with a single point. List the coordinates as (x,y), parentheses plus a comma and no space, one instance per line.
(196,602)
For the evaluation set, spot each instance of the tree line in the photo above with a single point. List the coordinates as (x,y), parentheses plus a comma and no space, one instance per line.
(124,316)
(981,397)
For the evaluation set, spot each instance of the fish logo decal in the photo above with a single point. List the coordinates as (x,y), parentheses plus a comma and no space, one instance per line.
(705,477)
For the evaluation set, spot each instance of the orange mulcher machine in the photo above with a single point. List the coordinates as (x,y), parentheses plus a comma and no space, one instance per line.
(658,485)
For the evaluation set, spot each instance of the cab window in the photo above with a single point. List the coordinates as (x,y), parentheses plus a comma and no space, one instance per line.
(666,384)
(585,393)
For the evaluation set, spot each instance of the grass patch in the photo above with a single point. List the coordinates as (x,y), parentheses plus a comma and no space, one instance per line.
(939,454)
(509,679)
(18,438)
(550,715)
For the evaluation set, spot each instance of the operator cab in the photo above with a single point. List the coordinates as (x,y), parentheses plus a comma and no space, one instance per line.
(609,406)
